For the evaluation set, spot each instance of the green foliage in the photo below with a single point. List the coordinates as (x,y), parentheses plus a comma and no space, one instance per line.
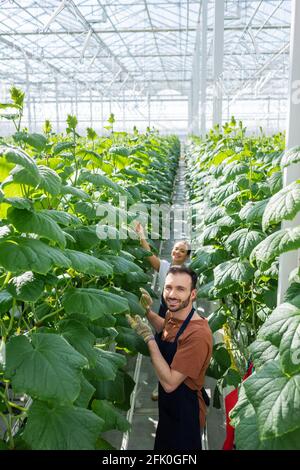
(64,290)
(230,174)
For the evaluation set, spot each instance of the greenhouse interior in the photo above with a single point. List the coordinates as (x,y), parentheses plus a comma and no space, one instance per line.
(149,226)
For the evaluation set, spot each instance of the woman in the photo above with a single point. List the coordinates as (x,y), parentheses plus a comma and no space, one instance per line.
(179,254)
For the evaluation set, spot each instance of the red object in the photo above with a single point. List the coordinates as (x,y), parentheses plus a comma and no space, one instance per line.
(230,401)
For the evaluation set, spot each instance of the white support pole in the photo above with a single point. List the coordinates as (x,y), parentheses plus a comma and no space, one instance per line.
(149,110)
(196,82)
(34,114)
(190,111)
(289,261)
(91,108)
(102,116)
(124,111)
(218,60)
(203,68)
(76,100)
(56,105)
(268,115)
(28,95)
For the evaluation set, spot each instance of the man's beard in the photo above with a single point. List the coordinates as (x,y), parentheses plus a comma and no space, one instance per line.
(180,306)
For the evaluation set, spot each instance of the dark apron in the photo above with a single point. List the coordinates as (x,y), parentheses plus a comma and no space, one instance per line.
(178,425)
(162,307)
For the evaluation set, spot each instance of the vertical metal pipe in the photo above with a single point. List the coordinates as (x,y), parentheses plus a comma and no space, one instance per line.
(218,61)
(289,261)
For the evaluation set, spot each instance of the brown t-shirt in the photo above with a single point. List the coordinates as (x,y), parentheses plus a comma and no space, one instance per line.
(194,350)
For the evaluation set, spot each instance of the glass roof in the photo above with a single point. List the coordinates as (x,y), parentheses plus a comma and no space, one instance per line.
(140,48)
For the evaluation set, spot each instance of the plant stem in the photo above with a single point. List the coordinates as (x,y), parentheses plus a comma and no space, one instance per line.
(49,315)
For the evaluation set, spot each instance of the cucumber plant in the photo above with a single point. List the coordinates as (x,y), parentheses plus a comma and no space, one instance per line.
(235,181)
(64,291)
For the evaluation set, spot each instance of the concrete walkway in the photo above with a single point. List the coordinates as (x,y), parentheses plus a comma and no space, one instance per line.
(146,414)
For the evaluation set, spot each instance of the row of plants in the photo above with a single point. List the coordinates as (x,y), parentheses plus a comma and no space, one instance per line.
(64,291)
(235,187)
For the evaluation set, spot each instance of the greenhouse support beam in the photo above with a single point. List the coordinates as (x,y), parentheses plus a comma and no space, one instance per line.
(91,107)
(28,93)
(289,261)
(203,68)
(190,110)
(56,105)
(79,32)
(218,60)
(195,82)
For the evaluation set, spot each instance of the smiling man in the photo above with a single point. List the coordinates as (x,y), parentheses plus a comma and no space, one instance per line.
(180,354)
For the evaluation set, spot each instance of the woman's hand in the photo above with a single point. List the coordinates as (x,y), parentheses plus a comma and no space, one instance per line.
(140,230)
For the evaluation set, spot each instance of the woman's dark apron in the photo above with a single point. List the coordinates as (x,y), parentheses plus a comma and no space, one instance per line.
(178,425)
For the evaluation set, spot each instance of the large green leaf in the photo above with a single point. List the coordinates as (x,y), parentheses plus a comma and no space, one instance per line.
(224,191)
(210,234)
(19,157)
(111,416)
(233,271)
(122,265)
(282,206)
(61,147)
(128,339)
(214,214)
(253,211)
(269,391)
(275,182)
(290,156)
(216,320)
(234,169)
(26,254)
(243,241)
(208,257)
(86,393)
(80,337)
(20,203)
(36,222)
(6,301)
(133,301)
(243,418)
(274,245)
(62,218)
(22,176)
(26,287)
(85,236)
(99,181)
(46,368)
(292,294)
(93,302)
(84,263)
(50,181)
(262,352)
(67,189)
(61,427)
(118,390)
(88,209)
(37,141)
(107,364)
(282,329)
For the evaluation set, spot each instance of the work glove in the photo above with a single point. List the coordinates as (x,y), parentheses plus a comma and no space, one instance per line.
(145,300)
(140,327)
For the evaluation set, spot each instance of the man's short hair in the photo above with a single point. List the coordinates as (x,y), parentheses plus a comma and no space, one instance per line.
(184,270)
